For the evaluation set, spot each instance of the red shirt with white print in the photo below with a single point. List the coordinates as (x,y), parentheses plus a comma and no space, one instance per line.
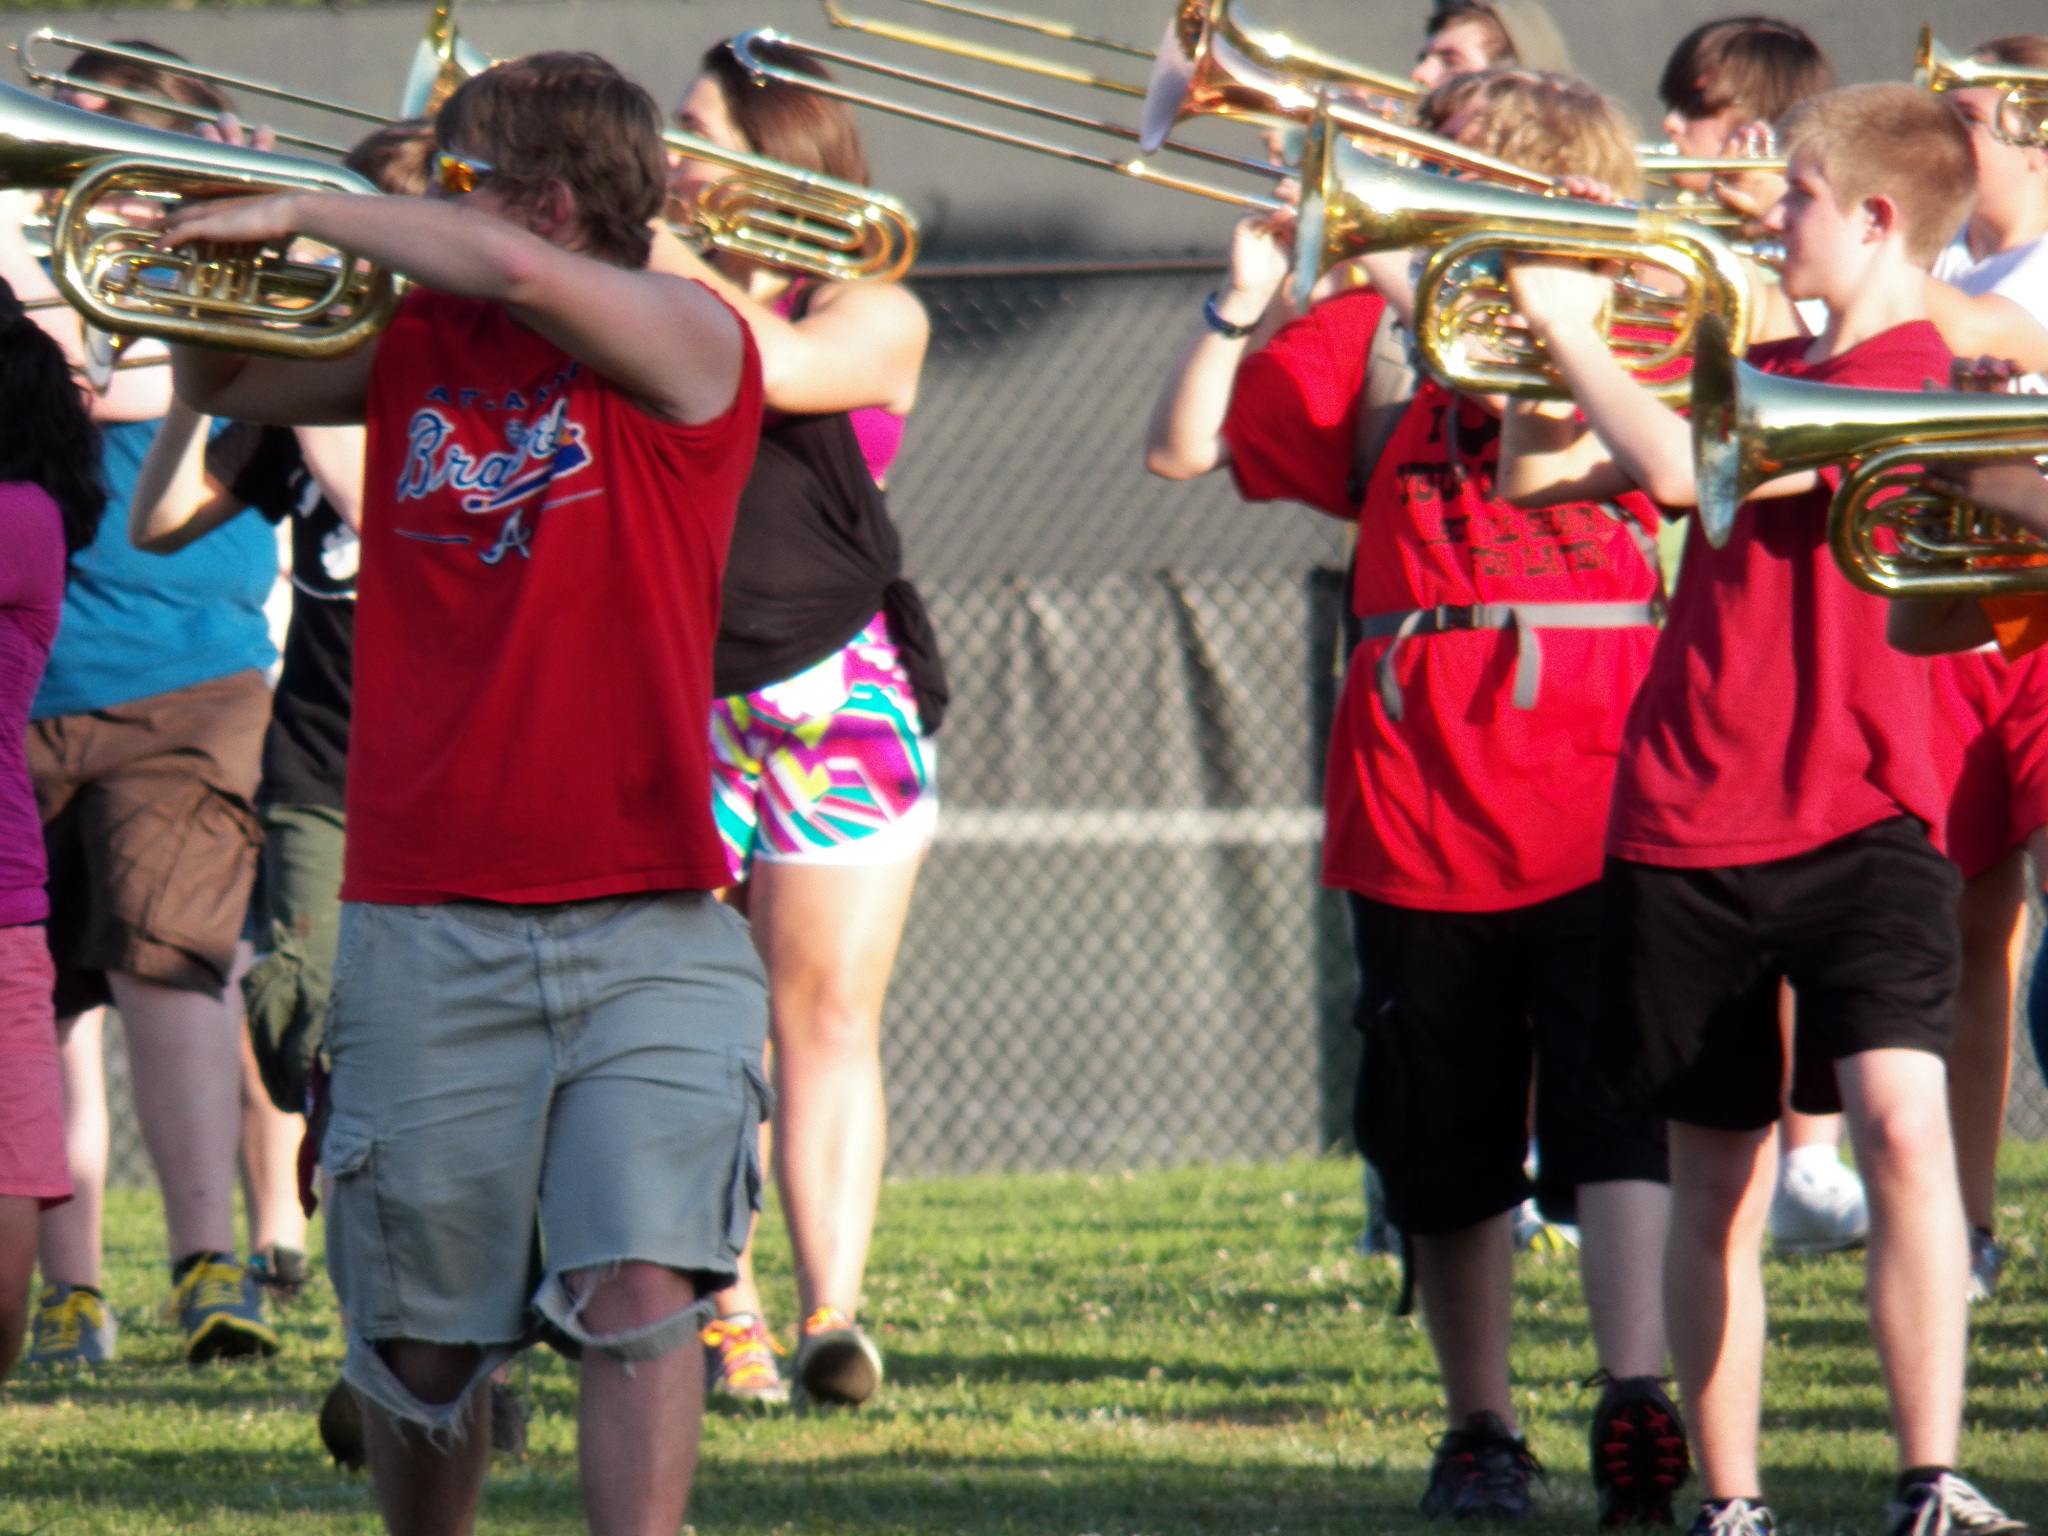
(1776,718)
(534,621)
(1466,803)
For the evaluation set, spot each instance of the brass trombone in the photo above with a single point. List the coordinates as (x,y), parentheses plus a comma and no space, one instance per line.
(59,80)
(765,210)
(120,280)
(2022,117)
(1889,530)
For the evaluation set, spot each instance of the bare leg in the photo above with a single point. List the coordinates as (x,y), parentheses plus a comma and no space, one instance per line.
(17,1268)
(1623,1227)
(187,1052)
(1802,1131)
(1721,1183)
(1466,1281)
(68,1236)
(1897,1104)
(638,1421)
(828,936)
(1980,1059)
(424,1489)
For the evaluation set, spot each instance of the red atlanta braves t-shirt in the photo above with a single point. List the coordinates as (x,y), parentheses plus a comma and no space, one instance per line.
(1465,804)
(534,620)
(1775,717)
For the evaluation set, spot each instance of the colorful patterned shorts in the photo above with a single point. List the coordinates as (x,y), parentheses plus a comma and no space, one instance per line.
(828,767)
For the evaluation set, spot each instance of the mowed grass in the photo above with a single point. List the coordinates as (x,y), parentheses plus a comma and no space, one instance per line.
(1197,1350)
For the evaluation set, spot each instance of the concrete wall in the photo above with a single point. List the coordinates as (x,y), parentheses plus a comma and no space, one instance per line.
(977,199)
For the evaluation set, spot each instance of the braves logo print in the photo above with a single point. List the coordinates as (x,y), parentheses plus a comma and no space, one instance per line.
(538,455)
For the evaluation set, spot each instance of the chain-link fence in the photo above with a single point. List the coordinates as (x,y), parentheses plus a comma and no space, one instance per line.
(1118,954)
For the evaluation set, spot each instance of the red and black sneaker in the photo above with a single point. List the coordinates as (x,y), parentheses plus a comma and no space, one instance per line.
(1640,1457)
(1481,1472)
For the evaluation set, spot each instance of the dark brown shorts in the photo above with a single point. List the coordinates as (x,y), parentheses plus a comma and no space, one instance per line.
(152,836)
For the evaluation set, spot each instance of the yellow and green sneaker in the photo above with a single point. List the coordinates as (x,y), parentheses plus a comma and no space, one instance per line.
(73,1327)
(219,1304)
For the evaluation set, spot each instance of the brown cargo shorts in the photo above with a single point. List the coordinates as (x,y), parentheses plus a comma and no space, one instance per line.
(152,835)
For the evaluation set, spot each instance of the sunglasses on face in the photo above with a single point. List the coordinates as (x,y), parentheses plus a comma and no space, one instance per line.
(458,174)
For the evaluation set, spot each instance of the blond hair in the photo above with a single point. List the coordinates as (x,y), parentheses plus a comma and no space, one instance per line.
(1892,140)
(1554,124)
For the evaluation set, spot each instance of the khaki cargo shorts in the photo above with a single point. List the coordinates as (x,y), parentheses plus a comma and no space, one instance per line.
(521,1092)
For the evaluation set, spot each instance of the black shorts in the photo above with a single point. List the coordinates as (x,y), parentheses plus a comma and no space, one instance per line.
(1863,927)
(1458,1009)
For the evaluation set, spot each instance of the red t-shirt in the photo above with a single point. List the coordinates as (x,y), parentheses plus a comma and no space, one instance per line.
(1775,717)
(1991,747)
(1465,804)
(534,621)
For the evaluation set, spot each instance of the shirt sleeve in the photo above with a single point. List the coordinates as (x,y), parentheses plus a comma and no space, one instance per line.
(1294,409)
(31,548)
(256,465)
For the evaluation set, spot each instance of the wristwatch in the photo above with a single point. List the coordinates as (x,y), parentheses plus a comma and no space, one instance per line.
(1213,318)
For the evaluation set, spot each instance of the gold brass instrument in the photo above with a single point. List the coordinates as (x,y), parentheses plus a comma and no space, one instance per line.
(2022,117)
(116,276)
(1214,62)
(1890,532)
(765,211)
(104,353)
(1464,326)
(58,80)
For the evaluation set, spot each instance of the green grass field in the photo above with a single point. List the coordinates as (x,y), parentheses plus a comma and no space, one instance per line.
(1197,1350)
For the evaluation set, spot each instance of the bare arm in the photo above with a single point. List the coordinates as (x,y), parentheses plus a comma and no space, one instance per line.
(668,343)
(334,457)
(1936,626)
(1974,324)
(1184,438)
(1548,455)
(175,501)
(858,345)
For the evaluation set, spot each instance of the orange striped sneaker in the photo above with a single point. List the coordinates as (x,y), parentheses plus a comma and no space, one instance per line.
(836,1365)
(740,1362)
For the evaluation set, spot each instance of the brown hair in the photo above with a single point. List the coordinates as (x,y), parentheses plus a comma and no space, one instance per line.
(1556,124)
(147,80)
(2027,49)
(1460,13)
(572,118)
(787,122)
(1897,141)
(1759,64)
(397,158)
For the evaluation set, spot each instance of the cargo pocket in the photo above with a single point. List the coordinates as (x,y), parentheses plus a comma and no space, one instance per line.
(356,1256)
(743,1198)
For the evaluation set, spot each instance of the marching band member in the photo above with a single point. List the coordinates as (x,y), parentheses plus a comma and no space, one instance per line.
(1771,820)
(829,689)
(1468,782)
(545,1029)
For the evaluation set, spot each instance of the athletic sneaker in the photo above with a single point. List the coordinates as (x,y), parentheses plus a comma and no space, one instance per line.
(220,1306)
(1948,1505)
(1481,1472)
(739,1362)
(281,1271)
(836,1365)
(1819,1205)
(1535,1235)
(73,1327)
(1638,1449)
(1987,1262)
(1733,1517)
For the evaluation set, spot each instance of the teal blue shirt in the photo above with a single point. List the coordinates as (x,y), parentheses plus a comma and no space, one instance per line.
(136,625)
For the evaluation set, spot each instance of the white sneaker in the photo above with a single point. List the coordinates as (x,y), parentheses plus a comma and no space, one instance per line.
(1820,1205)
(1535,1235)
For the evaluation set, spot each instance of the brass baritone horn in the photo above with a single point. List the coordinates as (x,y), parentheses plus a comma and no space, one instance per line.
(1889,531)
(2022,117)
(1463,325)
(258,300)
